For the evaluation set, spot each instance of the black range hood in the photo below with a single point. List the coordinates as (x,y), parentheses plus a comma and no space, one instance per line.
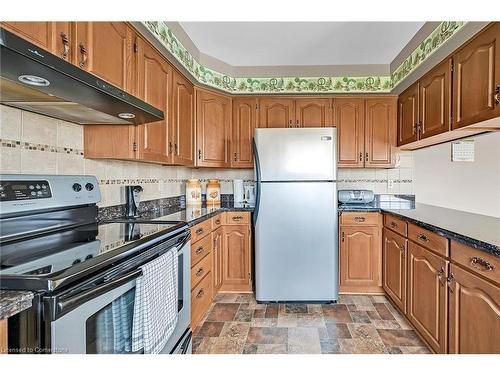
(35,80)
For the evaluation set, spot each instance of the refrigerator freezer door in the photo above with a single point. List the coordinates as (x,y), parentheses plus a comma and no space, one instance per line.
(296,247)
(296,154)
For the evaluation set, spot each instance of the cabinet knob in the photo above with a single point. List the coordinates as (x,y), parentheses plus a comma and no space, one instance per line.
(450,280)
(199,154)
(497,92)
(199,250)
(199,231)
(359,219)
(83,52)
(200,272)
(65,43)
(200,293)
(423,238)
(481,264)
(360,156)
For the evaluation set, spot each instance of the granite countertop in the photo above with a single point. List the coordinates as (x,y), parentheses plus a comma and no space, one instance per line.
(479,231)
(13,302)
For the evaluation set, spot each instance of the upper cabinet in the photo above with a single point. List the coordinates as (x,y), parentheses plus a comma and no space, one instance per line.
(106,49)
(366,132)
(408,117)
(276,113)
(182,130)
(476,79)
(244,122)
(213,127)
(41,34)
(313,112)
(154,85)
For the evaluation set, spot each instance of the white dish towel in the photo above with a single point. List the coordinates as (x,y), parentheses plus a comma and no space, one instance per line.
(155,307)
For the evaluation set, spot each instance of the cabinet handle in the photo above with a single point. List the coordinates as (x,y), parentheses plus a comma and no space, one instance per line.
(199,250)
(481,264)
(415,128)
(402,249)
(200,272)
(200,293)
(440,276)
(169,147)
(235,157)
(237,218)
(176,149)
(497,92)
(199,154)
(217,221)
(65,43)
(393,224)
(343,236)
(359,219)
(423,238)
(366,156)
(290,124)
(360,156)
(297,124)
(83,52)
(450,280)
(199,231)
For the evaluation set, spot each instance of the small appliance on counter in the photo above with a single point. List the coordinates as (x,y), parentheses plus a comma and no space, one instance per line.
(356,196)
(238,191)
(249,193)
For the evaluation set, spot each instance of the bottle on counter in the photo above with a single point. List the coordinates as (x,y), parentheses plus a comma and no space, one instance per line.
(213,192)
(193,192)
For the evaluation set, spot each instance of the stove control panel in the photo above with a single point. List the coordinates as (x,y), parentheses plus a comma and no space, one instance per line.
(23,193)
(20,190)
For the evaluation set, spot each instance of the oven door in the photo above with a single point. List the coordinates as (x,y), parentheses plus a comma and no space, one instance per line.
(100,319)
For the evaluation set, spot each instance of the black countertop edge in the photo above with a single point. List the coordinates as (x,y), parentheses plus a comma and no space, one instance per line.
(469,241)
(13,302)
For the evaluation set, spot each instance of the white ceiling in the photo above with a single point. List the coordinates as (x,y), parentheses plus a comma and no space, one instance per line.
(301,43)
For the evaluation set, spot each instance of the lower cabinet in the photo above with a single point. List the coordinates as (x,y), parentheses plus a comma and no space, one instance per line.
(474,318)
(428,296)
(220,260)
(394,250)
(360,253)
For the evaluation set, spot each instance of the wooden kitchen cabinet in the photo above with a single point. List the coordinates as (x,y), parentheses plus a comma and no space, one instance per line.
(236,272)
(408,115)
(394,249)
(42,34)
(435,101)
(213,127)
(350,121)
(217,254)
(182,129)
(428,296)
(276,113)
(380,132)
(3,336)
(474,316)
(106,49)
(154,86)
(313,112)
(476,78)
(360,253)
(243,125)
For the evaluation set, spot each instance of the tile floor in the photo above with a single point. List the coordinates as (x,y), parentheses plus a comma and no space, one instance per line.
(236,324)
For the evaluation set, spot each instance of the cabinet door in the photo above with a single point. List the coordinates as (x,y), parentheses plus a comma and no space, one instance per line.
(408,115)
(435,100)
(427,296)
(276,113)
(313,113)
(217,254)
(394,267)
(213,125)
(380,132)
(360,259)
(38,33)
(236,258)
(474,314)
(476,76)
(106,50)
(244,120)
(183,121)
(154,82)
(349,119)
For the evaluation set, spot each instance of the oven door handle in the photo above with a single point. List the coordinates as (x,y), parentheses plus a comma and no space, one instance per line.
(58,307)
(183,241)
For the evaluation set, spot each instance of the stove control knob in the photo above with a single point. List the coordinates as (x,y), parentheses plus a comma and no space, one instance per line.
(89,186)
(76,261)
(77,187)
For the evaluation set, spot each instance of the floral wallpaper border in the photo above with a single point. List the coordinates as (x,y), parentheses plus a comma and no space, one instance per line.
(291,85)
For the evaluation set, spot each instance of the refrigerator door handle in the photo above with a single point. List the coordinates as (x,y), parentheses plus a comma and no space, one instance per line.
(257,183)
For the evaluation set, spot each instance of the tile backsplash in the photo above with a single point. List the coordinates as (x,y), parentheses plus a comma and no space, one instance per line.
(31,143)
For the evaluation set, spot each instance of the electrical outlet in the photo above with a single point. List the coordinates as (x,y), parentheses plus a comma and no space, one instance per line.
(390,184)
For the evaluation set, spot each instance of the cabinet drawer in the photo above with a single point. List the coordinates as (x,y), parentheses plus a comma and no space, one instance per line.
(200,249)
(236,218)
(360,218)
(200,270)
(486,265)
(395,224)
(428,239)
(201,298)
(216,221)
(201,230)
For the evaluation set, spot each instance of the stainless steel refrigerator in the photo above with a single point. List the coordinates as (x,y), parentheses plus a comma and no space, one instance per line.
(295,218)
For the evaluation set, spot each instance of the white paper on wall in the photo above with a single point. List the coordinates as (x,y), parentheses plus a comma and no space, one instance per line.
(462,150)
